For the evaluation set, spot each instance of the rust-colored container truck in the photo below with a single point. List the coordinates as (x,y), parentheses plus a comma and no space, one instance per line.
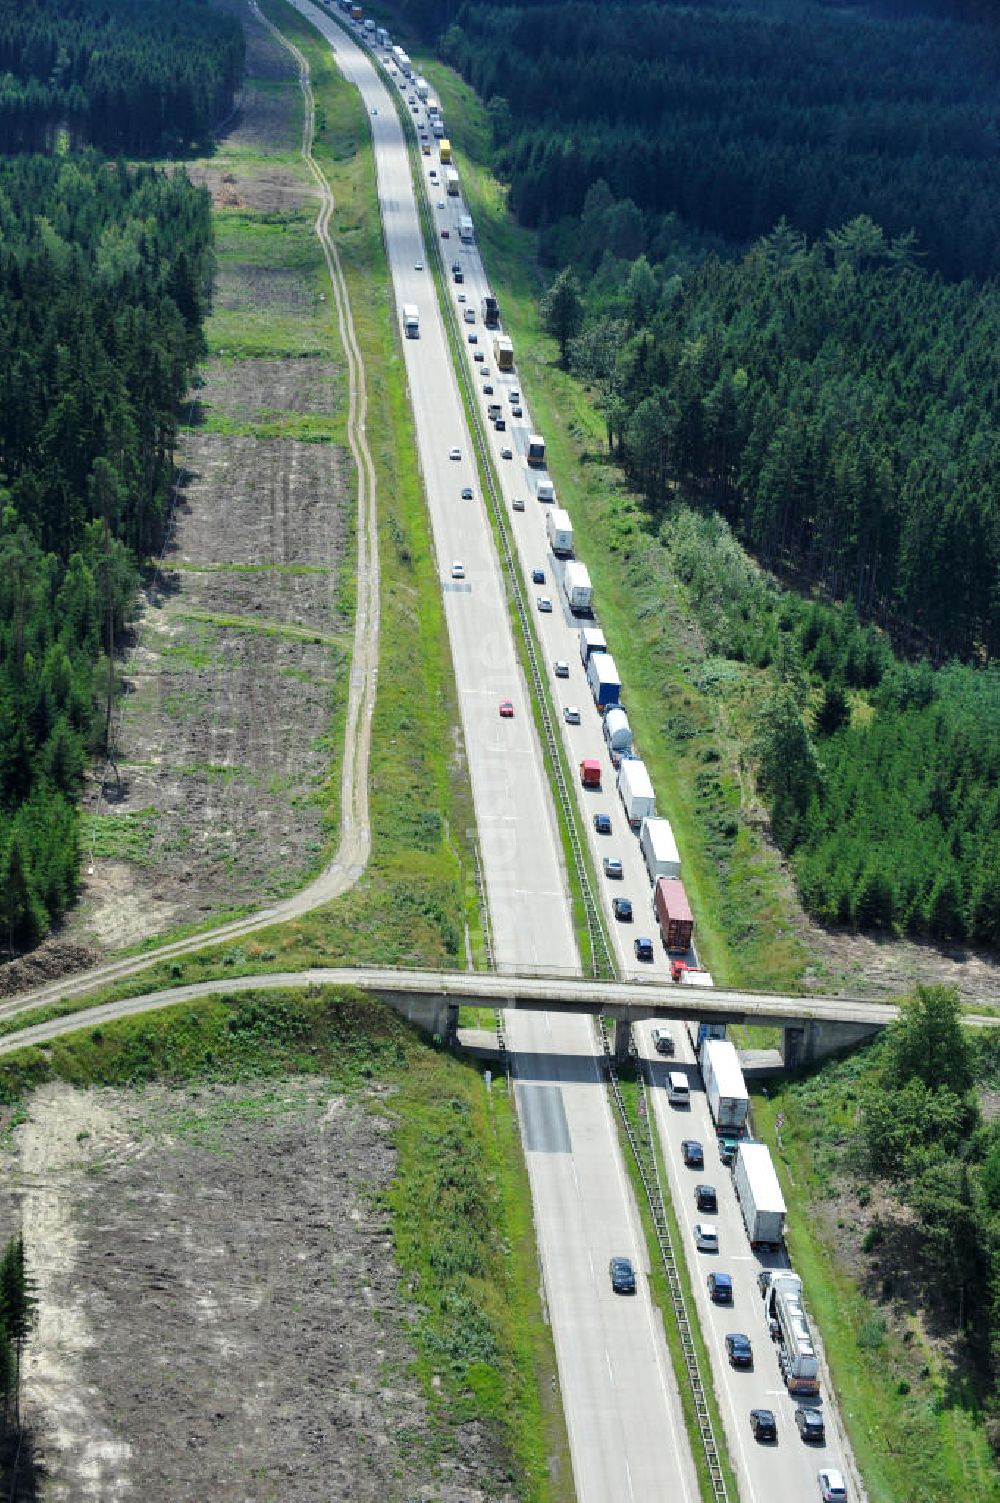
(673,914)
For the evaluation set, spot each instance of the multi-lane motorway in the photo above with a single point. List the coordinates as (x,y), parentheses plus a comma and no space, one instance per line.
(619,1393)
(618,1389)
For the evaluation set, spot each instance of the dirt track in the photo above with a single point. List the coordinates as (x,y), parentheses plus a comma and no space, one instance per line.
(221,1314)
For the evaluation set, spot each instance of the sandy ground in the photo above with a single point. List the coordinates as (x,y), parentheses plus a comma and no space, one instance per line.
(221,1316)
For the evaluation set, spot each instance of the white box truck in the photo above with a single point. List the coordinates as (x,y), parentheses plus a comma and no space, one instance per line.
(635,791)
(559,530)
(411,320)
(659,848)
(466,232)
(545,490)
(451,181)
(577,588)
(761,1202)
(725,1087)
(592,639)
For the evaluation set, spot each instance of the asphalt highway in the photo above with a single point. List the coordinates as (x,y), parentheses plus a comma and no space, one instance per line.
(622,1410)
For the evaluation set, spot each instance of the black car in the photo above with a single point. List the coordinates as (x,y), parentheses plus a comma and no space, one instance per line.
(602,824)
(622,1275)
(622,908)
(763,1424)
(810,1423)
(720,1288)
(487,389)
(705,1198)
(738,1349)
(693,1153)
(643,948)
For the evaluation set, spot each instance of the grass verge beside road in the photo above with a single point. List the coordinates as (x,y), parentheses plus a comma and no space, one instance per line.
(459,1203)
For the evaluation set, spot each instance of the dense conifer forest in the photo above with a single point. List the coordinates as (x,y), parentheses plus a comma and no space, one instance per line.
(775,239)
(104,276)
(136,76)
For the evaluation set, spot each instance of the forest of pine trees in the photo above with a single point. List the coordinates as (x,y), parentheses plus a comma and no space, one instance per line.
(105,273)
(137,76)
(731,117)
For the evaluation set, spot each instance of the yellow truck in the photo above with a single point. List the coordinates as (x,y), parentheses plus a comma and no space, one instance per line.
(444,147)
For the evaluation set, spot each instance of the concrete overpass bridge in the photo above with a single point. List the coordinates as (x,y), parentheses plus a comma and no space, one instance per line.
(813,1026)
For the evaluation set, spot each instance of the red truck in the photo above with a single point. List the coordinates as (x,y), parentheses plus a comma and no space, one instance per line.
(590,772)
(673,914)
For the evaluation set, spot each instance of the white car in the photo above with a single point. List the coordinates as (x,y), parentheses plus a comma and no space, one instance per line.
(454,453)
(457,570)
(418,266)
(440,203)
(506,453)
(706,1238)
(832,1485)
(461,297)
(544,605)
(561,668)
(571,715)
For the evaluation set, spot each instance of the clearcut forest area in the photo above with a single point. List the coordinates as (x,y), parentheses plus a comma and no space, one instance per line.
(234,664)
(247,1264)
(243,643)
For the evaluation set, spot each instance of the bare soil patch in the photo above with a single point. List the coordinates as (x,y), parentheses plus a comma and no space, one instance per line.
(221,1315)
(239,663)
(882,965)
(237,669)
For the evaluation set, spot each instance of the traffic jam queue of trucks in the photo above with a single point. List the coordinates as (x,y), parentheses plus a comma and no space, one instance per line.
(656,839)
(761,1204)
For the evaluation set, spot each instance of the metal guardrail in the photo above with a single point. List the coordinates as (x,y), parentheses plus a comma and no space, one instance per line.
(649,1173)
(484,909)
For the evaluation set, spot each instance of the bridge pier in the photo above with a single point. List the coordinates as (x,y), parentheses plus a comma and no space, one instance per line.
(435,1014)
(623,1040)
(811,1040)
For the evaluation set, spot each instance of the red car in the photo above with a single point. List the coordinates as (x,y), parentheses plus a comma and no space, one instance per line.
(506,710)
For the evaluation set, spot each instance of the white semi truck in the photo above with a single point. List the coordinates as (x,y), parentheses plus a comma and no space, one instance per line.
(559,530)
(659,848)
(636,791)
(577,588)
(762,1204)
(411,320)
(725,1087)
